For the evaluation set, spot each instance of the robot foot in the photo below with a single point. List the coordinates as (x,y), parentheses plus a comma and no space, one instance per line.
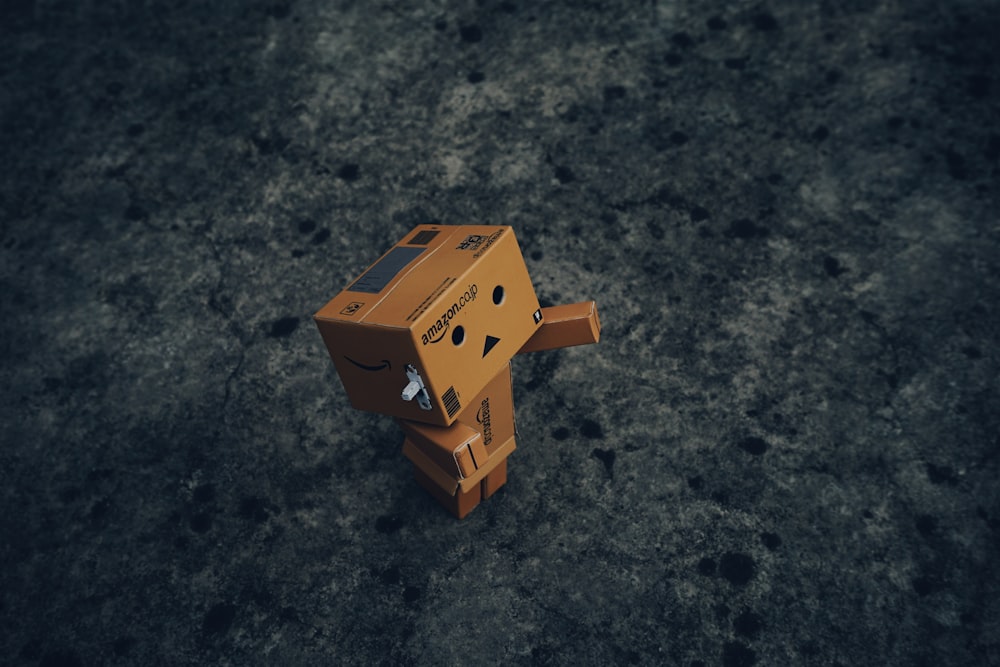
(460,503)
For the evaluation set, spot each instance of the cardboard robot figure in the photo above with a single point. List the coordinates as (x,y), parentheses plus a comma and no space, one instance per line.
(426,335)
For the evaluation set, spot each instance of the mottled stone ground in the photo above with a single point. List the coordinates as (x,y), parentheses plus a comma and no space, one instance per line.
(785,449)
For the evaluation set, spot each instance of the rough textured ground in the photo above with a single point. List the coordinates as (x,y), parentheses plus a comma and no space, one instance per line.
(785,449)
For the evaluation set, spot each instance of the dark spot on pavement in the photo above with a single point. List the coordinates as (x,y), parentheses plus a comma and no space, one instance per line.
(744,228)
(388,523)
(770,540)
(735,654)
(737,568)
(254,509)
(591,429)
(747,624)
(471,33)
(716,23)
(764,21)
(753,445)
(941,475)
(607,457)
(832,266)
(349,172)
(565,174)
(219,619)
(284,327)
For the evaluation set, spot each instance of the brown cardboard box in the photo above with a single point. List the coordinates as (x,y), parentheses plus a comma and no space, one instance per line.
(566,326)
(455,450)
(448,484)
(444,310)
(462,454)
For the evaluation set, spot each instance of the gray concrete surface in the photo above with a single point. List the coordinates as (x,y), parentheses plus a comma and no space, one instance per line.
(784,451)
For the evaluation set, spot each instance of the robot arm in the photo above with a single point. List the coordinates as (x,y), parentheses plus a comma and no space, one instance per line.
(565,326)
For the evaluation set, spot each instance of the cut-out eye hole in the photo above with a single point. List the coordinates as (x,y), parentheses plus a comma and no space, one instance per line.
(498,294)
(458,335)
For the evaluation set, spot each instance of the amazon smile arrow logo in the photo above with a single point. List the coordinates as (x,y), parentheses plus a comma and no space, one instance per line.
(365,367)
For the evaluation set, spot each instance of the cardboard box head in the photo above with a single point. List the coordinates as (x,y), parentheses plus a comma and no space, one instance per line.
(425,328)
